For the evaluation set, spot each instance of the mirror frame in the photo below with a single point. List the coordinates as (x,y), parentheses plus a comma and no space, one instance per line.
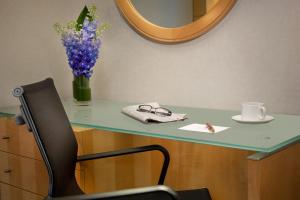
(178,34)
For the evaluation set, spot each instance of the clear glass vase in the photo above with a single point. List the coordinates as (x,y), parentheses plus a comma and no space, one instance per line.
(82,90)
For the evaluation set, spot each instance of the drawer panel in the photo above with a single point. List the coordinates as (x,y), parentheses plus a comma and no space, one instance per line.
(8,192)
(25,173)
(17,140)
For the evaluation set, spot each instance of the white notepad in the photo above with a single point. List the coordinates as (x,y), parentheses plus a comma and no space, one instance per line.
(203,128)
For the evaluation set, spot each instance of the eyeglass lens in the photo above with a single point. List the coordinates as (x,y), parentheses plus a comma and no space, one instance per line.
(159,111)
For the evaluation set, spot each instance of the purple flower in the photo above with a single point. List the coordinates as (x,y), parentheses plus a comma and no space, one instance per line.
(82,48)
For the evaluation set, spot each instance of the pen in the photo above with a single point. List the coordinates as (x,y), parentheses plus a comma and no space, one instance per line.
(210,127)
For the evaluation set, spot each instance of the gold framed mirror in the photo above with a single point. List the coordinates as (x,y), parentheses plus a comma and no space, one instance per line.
(201,22)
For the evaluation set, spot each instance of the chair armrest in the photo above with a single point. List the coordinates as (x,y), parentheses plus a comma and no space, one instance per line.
(132,151)
(138,193)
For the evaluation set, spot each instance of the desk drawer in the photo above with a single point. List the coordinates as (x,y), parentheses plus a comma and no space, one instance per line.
(17,140)
(8,192)
(25,173)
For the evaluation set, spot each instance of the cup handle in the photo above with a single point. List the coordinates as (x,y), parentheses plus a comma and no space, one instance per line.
(263,113)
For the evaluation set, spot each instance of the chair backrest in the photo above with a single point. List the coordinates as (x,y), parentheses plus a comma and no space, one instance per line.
(43,110)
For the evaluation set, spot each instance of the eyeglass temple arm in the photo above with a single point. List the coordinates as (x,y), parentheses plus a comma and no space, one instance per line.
(132,151)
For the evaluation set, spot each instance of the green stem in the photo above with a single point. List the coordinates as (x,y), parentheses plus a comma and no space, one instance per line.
(81,88)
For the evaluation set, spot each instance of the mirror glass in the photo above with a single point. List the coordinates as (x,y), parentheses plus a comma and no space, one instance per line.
(173,13)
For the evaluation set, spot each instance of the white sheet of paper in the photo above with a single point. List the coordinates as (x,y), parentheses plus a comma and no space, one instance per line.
(202,128)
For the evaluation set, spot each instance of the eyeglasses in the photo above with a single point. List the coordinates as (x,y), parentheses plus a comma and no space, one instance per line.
(163,112)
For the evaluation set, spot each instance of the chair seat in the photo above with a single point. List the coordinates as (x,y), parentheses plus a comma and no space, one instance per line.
(196,194)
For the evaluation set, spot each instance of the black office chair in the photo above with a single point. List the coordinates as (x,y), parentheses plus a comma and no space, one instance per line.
(43,112)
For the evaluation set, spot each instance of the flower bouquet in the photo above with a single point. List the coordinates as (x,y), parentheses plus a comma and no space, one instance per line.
(81,38)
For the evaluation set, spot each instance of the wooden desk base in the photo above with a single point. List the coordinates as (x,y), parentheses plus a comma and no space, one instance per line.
(227,172)
(275,177)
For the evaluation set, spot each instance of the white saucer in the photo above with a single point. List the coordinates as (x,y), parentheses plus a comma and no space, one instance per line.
(238,118)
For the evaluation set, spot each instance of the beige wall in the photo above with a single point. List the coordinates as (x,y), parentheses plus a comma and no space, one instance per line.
(254,54)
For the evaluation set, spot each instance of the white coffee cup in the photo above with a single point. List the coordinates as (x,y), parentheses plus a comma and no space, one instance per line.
(253,111)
